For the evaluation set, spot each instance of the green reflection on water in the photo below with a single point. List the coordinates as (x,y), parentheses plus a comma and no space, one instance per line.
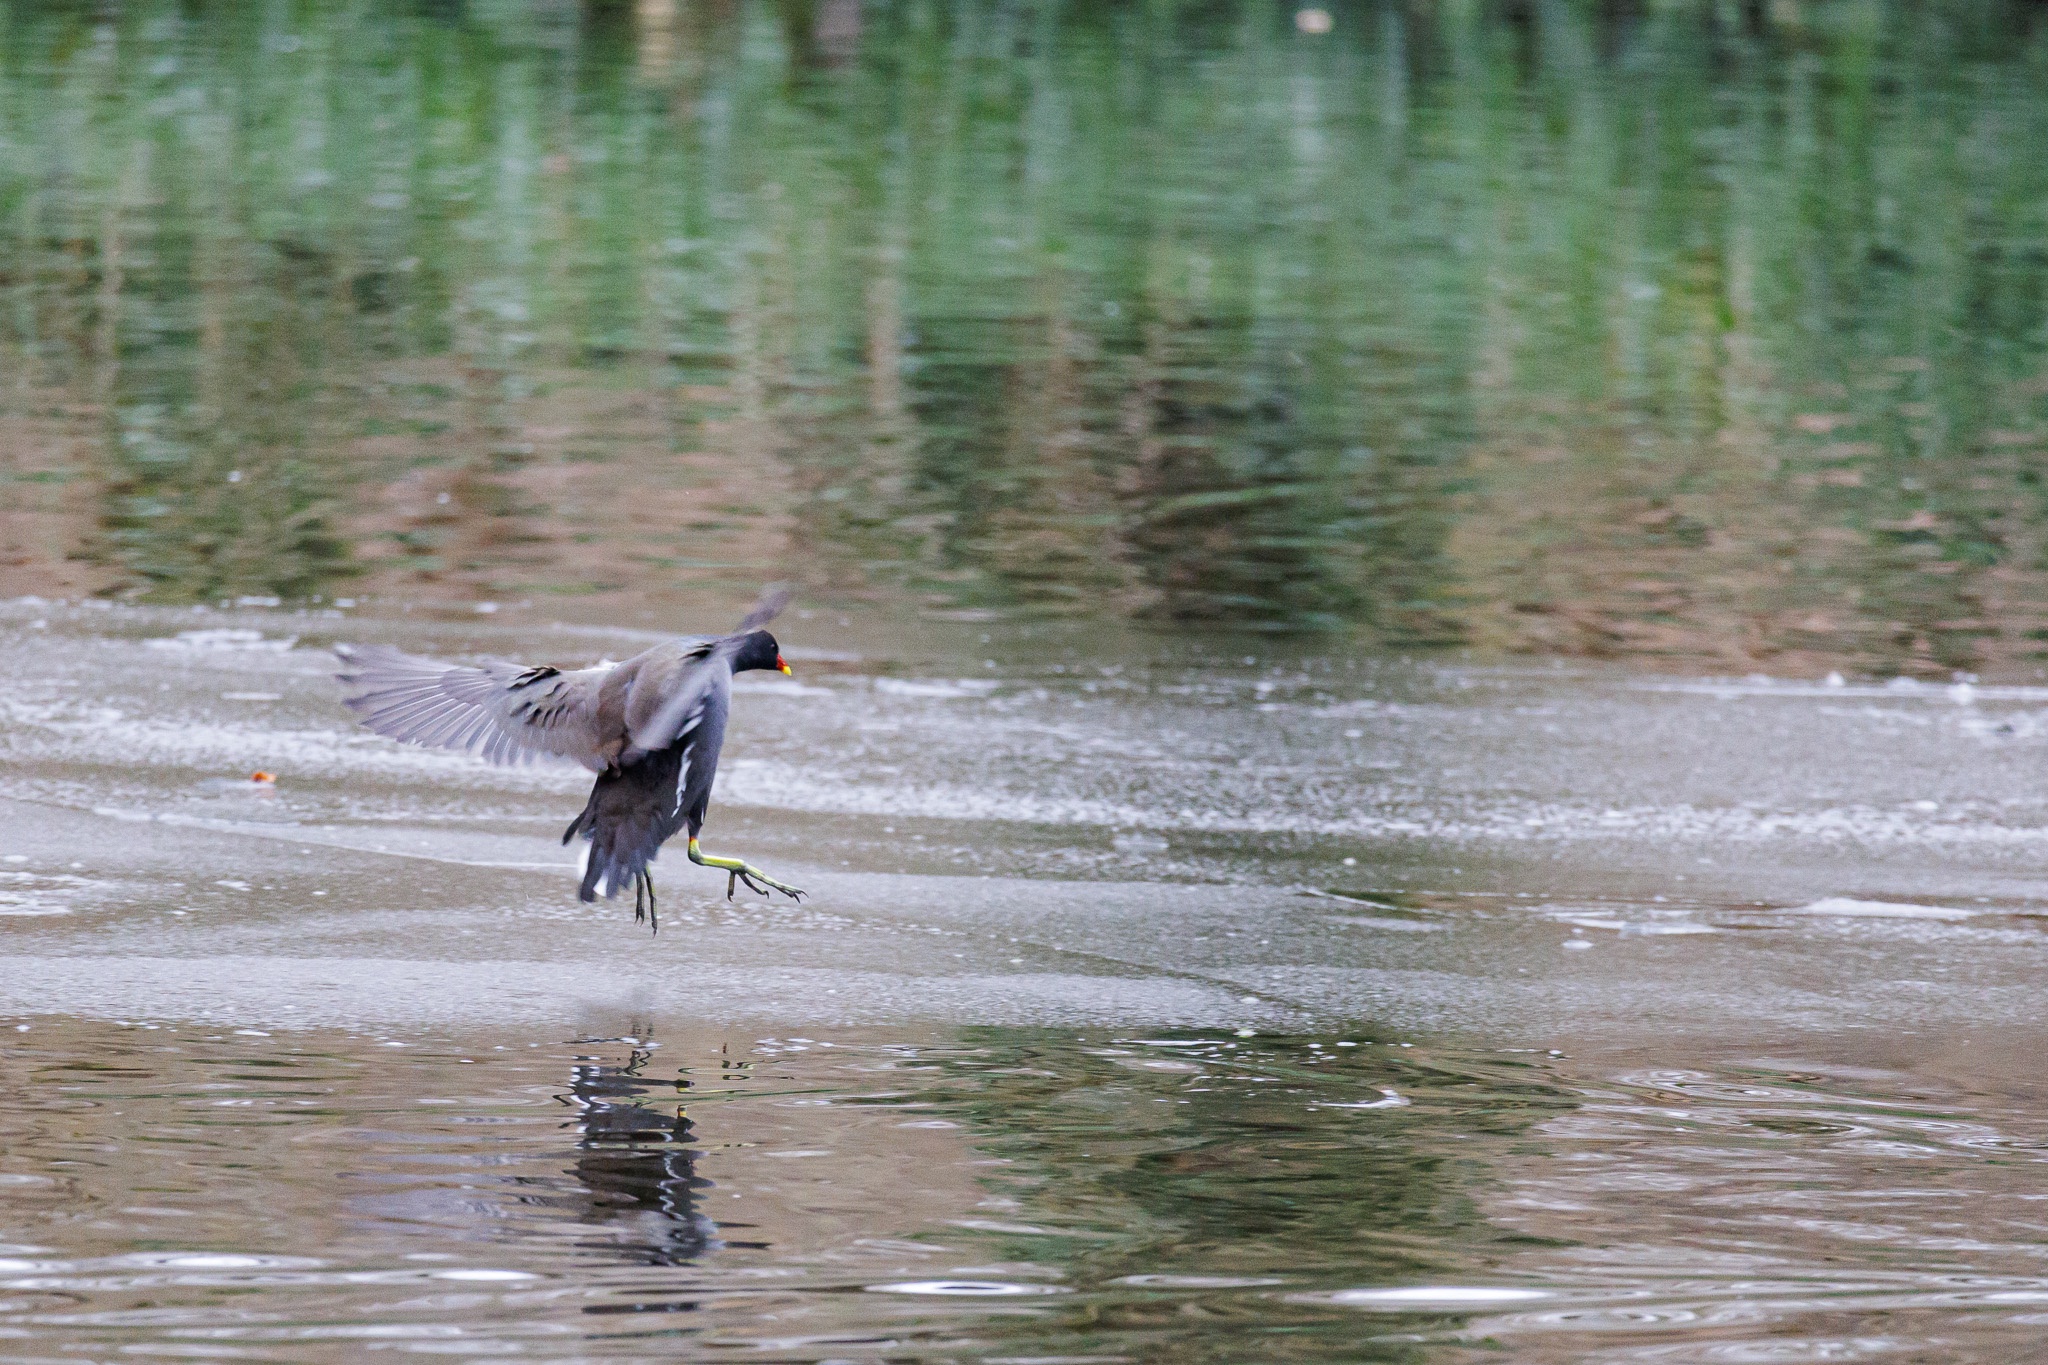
(1618,330)
(1235,1164)
(1207,1152)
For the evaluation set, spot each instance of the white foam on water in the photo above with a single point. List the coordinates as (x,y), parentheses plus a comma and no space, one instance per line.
(1389,1099)
(488,1275)
(1197,1281)
(965,1288)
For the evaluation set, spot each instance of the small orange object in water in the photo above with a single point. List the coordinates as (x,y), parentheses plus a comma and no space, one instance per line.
(260,776)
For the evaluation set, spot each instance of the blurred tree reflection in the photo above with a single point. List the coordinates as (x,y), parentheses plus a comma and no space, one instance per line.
(1214,1157)
(1609,329)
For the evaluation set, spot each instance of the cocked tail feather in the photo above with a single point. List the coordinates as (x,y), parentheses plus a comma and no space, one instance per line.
(773,599)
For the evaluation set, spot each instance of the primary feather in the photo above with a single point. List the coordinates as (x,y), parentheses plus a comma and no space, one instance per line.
(504,711)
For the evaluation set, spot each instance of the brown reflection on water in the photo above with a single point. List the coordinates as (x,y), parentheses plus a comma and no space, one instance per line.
(1850,1193)
(183,1186)
(1168,1196)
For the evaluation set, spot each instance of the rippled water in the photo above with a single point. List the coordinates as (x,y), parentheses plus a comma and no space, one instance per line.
(991,1192)
(997,1194)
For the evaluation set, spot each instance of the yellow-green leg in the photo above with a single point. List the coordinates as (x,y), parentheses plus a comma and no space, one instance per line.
(739,870)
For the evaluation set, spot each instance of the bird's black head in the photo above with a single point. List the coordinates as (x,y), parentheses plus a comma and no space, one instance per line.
(758,650)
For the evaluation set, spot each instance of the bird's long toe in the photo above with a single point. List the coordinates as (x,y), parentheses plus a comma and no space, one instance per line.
(762,883)
(740,870)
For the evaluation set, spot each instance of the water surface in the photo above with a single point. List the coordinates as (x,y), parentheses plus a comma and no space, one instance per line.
(1688,333)
(996,1194)
(1278,1006)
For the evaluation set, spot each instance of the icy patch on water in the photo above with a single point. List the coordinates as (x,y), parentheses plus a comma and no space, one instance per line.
(1404,926)
(1849,906)
(1171,800)
(783,786)
(975,749)
(222,638)
(935,689)
(32,895)
(79,732)
(1638,928)
(776,687)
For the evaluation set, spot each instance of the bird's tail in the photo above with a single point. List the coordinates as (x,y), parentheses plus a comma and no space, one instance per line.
(629,814)
(592,869)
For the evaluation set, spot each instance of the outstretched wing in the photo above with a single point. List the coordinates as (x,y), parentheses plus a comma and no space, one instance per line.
(503,711)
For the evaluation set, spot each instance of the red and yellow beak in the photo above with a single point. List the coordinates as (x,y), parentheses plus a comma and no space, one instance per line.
(781,664)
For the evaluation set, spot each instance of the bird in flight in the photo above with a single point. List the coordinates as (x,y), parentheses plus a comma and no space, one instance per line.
(650,728)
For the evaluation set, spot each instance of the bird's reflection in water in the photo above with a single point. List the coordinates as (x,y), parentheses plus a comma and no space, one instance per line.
(636,1162)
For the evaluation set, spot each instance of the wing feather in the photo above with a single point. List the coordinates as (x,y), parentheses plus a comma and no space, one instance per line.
(506,712)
